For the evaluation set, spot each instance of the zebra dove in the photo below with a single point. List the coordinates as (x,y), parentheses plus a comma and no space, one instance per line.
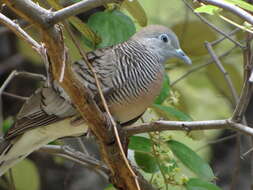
(131,76)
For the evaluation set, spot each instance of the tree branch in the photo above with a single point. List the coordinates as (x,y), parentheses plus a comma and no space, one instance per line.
(19,32)
(230,7)
(76,156)
(77,8)
(188,126)
(224,72)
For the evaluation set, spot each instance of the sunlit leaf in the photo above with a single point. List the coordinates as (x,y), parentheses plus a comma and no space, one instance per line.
(198,184)
(173,112)
(112,26)
(191,160)
(146,162)
(208,9)
(136,10)
(165,92)
(141,144)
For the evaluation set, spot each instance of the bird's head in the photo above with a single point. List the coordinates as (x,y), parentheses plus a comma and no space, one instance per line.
(161,41)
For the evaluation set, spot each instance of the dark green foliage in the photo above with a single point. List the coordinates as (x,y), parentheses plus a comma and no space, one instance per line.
(198,184)
(191,160)
(112,26)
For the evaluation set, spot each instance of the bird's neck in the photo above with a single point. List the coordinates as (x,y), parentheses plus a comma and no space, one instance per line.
(138,54)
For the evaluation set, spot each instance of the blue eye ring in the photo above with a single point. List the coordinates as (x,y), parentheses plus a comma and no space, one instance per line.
(164,38)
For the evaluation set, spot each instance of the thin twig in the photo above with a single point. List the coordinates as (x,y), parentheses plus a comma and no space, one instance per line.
(79,140)
(216,141)
(246,153)
(198,67)
(212,25)
(8,80)
(215,42)
(77,8)
(245,94)
(76,156)
(22,98)
(19,32)
(224,72)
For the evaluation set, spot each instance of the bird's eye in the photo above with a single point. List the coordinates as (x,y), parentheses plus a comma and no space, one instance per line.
(164,38)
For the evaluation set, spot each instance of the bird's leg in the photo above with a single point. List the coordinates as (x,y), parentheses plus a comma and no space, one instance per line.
(121,133)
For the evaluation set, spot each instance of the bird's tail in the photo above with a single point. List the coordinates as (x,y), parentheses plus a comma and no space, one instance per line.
(13,151)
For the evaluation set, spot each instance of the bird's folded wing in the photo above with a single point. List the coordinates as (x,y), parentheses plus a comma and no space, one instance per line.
(44,107)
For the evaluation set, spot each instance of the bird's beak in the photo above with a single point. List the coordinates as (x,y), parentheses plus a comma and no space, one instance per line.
(181,55)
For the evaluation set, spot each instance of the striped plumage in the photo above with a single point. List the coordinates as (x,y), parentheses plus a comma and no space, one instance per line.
(130,74)
(135,71)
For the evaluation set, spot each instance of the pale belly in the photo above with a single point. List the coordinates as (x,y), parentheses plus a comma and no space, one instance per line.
(127,111)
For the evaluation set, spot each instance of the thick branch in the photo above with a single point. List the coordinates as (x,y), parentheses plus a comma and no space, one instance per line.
(30,11)
(230,7)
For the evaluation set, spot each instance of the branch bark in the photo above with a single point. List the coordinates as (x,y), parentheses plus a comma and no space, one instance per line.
(77,8)
(231,8)
(188,126)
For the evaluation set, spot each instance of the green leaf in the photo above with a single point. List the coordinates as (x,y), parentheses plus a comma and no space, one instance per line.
(141,144)
(112,26)
(173,112)
(198,184)
(7,124)
(241,4)
(26,175)
(146,162)
(208,9)
(191,160)
(165,90)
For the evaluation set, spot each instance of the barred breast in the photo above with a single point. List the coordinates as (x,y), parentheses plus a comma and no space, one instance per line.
(131,77)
